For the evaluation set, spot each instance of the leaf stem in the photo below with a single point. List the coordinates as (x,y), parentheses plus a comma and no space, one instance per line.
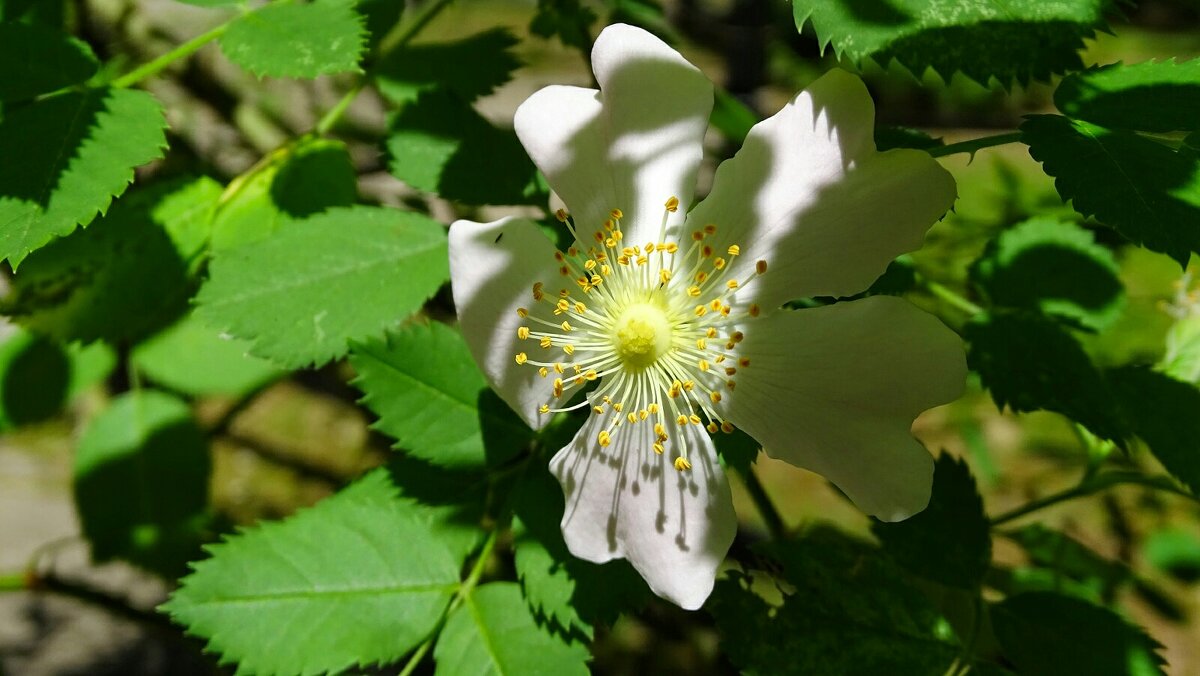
(948,295)
(765,506)
(14,582)
(184,50)
(975,144)
(1090,486)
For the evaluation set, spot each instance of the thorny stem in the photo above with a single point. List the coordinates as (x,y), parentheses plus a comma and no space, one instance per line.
(464,590)
(765,507)
(975,144)
(1090,486)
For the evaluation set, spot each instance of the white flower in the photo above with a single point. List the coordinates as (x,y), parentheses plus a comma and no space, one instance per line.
(676,317)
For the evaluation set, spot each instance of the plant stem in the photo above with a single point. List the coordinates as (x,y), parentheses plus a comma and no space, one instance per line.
(765,507)
(186,49)
(14,582)
(1092,485)
(398,37)
(948,295)
(975,144)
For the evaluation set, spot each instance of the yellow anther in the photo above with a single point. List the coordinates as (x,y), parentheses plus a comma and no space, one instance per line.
(543,372)
(659,430)
(693,291)
(608,224)
(558,387)
(580,307)
(681,420)
(682,464)
(632,417)
(566,326)
(658,448)
(672,247)
(569,349)
(649,247)
(737,336)
(664,276)
(672,204)
(558,256)
(725,310)
(605,270)
(729,384)
(719,263)
(561,215)
(591,374)
(629,251)
(694,418)
(616,214)
(720,358)
(715,304)
(702,365)
(572,252)
(701,310)
(558,367)
(604,438)
(599,237)
(589,265)
(734,250)
(712,428)
(652,408)
(710,229)
(688,385)
(727,428)
(522,332)
(760,267)
(618,235)
(578,380)
(706,251)
(744,362)
(754,310)
(522,312)
(563,293)
(598,409)
(729,371)
(701,277)
(522,357)
(545,341)
(562,306)
(544,408)
(711,332)
(715,396)
(611,243)
(642,260)
(701,344)
(623,260)
(732,284)
(730,345)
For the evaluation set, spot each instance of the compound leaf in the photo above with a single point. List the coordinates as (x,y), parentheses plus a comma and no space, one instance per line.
(1155,96)
(1162,412)
(191,358)
(297,40)
(35,59)
(470,68)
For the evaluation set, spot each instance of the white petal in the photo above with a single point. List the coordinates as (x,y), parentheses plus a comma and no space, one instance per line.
(835,390)
(492,270)
(626,501)
(631,145)
(809,194)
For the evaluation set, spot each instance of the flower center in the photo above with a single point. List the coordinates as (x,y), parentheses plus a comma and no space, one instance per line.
(658,325)
(642,335)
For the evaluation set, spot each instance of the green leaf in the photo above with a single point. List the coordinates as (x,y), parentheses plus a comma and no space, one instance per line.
(297,40)
(846,594)
(1146,191)
(470,68)
(1156,96)
(450,503)
(191,358)
(1175,550)
(346,274)
(1043,633)
(950,541)
(440,144)
(570,594)
(1162,411)
(36,59)
(1182,360)
(90,365)
(492,632)
(306,179)
(732,117)
(1012,40)
(357,579)
(1029,362)
(35,377)
(1066,556)
(1054,267)
(423,384)
(126,276)
(737,450)
(78,152)
(379,17)
(212,3)
(568,20)
(141,482)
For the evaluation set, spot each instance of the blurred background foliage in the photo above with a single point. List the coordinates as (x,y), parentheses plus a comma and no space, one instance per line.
(283,440)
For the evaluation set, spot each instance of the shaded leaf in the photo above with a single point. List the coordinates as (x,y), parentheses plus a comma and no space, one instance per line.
(1156,96)
(470,68)
(1043,633)
(1014,40)
(1162,412)
(887,138)
(423,384)
(440,144)
(1146,191)
(1053,267)
(346,274)
(492,632)
(568,20)
(356,580)
(297,40)
(35,59)
(450,503)
(35,377)
(191,358)
(1175,550)
(78,152)
(950,541)
(141,482)
(1029,362)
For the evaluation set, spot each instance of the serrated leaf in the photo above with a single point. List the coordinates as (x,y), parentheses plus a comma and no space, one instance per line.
(948,542)
(310,177)
(127,275)
(141,482)
(440,144)
(1175,550)
(379,17)
(194,359)
(36,59)
(1162,412)
(737,450)
(297,40)
(423,384)
(355,580)
(1029,362)
(1046,634)
(846,594)
(568,20)
(1182,360)
(35,377)
(1016,40)
(78,152)
(450,503)
(569,594)
(346,274)
(1156,96)
(1146,191)
(1054,267)
(492,632)
(470,68)
(1068,557)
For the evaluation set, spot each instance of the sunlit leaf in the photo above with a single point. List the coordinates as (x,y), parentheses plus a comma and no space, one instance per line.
(192,358)
(297,39)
